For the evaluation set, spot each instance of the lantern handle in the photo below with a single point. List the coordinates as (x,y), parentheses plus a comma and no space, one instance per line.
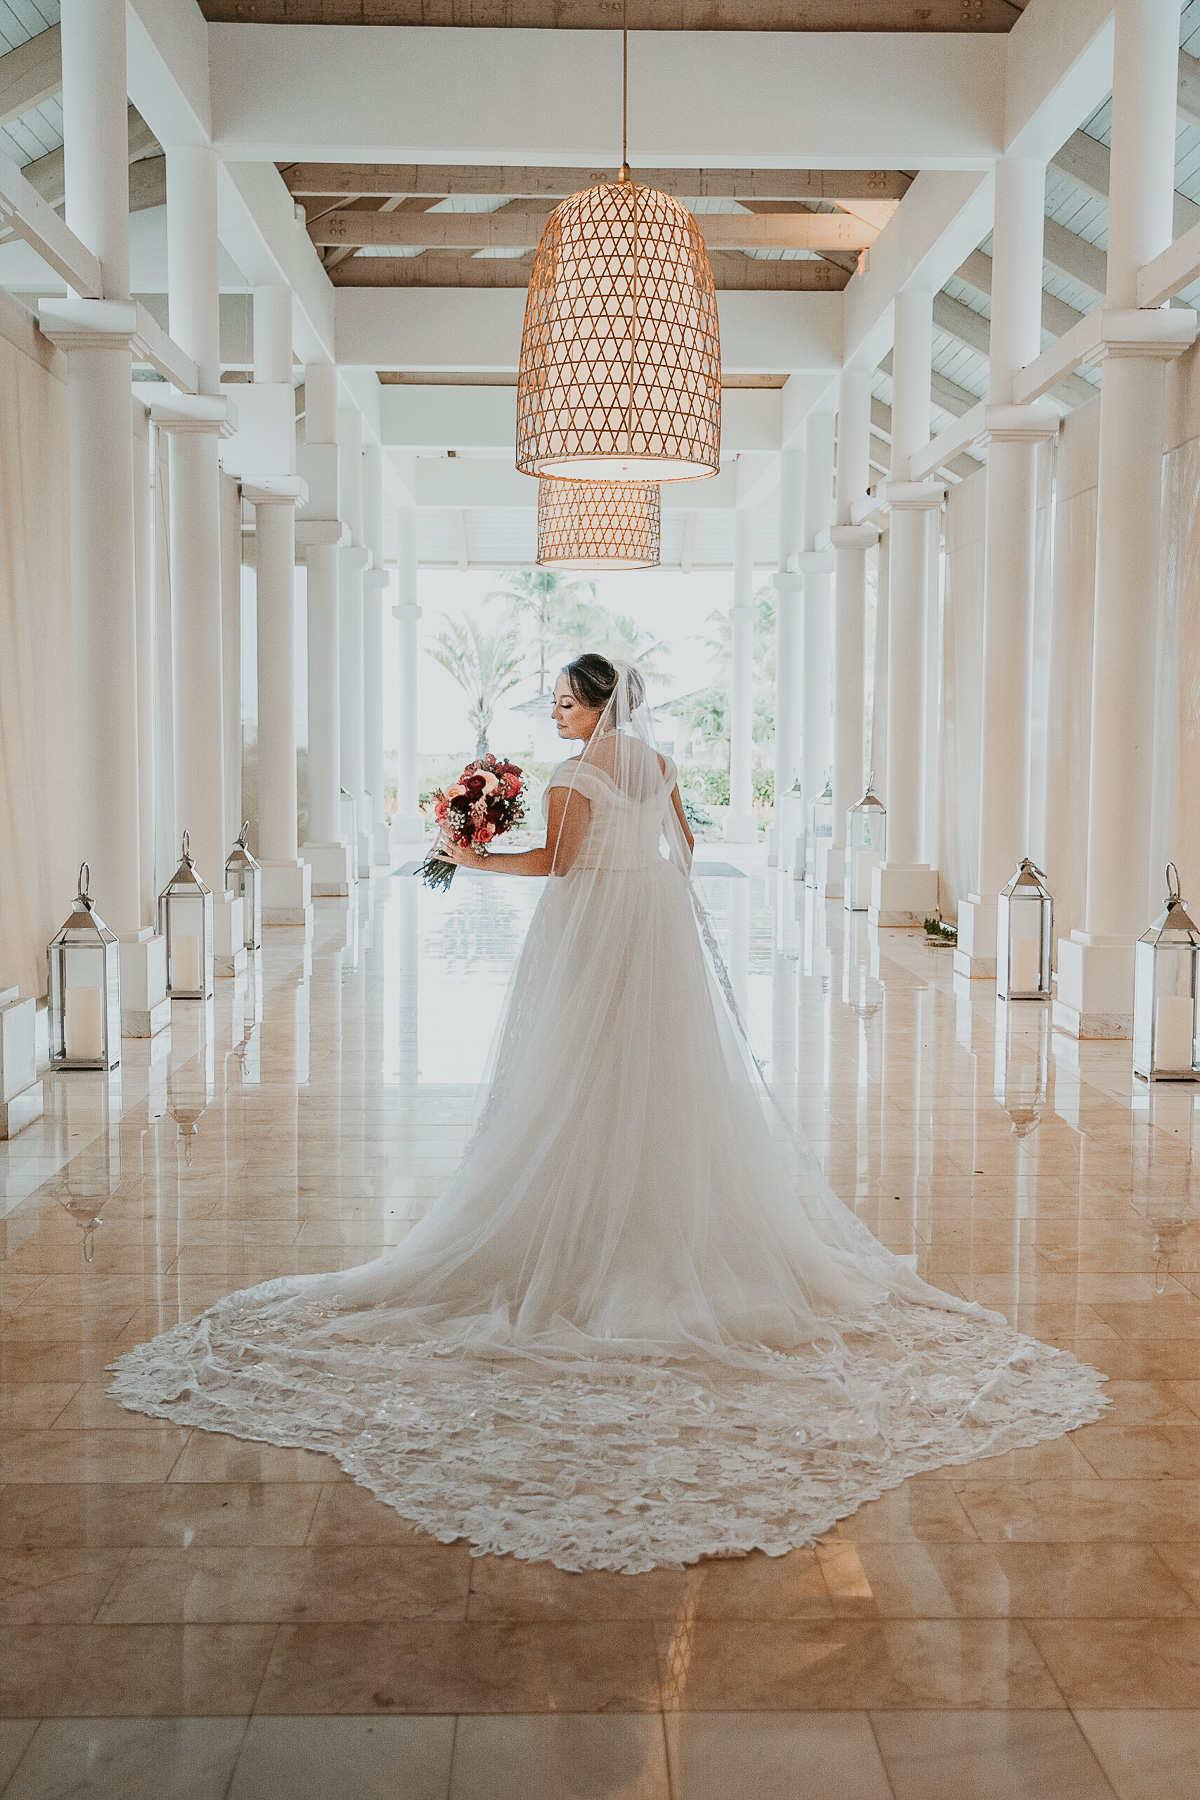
(1173,891)
(244,833)
(85,876)
(187,846)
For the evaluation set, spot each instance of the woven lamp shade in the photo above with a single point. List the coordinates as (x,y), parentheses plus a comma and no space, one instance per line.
(598,524)
(620,373)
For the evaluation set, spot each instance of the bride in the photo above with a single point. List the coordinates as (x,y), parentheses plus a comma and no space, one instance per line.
(638,1327)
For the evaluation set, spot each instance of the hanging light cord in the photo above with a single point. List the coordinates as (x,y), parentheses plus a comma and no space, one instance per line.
(624,175)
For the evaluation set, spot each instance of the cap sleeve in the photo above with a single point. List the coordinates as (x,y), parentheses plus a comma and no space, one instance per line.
(579,776)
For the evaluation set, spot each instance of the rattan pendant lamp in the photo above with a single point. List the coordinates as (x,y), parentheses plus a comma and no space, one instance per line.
(598,524)
(620,372)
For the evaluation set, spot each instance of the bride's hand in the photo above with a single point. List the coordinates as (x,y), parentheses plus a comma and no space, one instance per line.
(462,854)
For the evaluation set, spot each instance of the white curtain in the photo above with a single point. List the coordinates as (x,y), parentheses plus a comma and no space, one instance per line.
(37,746)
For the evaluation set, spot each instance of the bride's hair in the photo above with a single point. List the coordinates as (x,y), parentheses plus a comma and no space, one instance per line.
(593,681)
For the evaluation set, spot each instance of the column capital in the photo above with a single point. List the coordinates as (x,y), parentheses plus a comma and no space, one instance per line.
(853,537)
(787,581)
(320,534)
(356,556)
(1158,333)
(910,496)
(195,412)
(407,609)
(88,324)
(376,578)
(1028,424)
(274,490)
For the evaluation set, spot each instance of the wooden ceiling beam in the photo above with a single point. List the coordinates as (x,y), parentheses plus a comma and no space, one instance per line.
(516,228)
(443,269)
(644,15)
(438,180)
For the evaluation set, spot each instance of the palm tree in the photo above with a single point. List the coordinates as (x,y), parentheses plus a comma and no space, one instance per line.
(485,664)
(544,598)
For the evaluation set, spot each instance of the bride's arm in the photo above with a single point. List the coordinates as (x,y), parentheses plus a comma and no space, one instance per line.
(677,803)
(567,819)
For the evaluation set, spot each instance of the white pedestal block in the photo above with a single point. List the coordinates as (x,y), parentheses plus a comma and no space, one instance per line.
(366,853)
(145,1008)
(1094,998)
(20,1089)
(229,936)
(740,828)
(903,895)
(332,869)
(383,846)
(830,878)
(772,846)
(287,893)
(975,952)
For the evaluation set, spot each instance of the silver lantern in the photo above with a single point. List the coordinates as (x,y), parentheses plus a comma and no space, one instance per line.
(243,876)
(84,988)
(791,829)
(185,918)
(1166,981)
(820,825)
(866,845)
(1024,934)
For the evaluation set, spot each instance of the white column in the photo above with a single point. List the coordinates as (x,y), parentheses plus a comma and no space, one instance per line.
(818,565)
(1009,546)
(194,426)
(354,562)
(319,533)
(375,581)
(740,826)
(96,335)
(851,543)
(1095,978)
(409,825)
(904,889)
(877,756)
(21,1096)
(287,881)
(789,649)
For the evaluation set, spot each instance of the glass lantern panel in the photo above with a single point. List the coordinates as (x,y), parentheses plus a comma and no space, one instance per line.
(84,979)
(185,941)
(1025,941)
(1143,1006)
(1174,989)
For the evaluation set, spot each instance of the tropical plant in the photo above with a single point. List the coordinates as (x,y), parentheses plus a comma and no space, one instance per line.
(541,598)
(707,710)
(485,664)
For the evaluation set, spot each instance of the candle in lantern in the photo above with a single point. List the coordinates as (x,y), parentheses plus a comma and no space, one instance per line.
(185,960)
(867,859)
(1174,1021)
(84,1024)
(1024,965)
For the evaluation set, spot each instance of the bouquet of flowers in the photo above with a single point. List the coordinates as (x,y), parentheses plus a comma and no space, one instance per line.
(487,800)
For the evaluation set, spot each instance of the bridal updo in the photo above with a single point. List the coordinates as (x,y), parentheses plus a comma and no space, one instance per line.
(593,681)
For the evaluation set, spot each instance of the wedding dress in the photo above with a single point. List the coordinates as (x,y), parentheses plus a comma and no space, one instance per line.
(637,1328)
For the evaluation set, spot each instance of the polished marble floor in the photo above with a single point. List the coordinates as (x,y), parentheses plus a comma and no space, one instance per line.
(183,1614)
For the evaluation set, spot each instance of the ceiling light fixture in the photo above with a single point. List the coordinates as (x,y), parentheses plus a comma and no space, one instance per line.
(620,371)
(598,524)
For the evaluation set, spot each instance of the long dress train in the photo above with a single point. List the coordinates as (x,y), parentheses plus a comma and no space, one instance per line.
(634,1330)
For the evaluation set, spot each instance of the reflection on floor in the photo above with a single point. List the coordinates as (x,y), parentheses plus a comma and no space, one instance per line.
(188,1615)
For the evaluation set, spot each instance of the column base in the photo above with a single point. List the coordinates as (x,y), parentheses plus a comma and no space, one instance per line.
(408,828)
(383,846)
(20,1090)
(1094,998)
(145,1007)
(903,895)
(975,952)
(366,853)
(287,893)
(772,846)
(332,870)
(230,957)
(740,828)
(829,870)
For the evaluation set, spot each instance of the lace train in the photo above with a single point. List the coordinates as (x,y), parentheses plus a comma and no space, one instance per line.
(626,1466)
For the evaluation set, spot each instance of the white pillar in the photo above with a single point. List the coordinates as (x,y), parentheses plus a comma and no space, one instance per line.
(354,561)
(904,889)
(375,581)
(319,532)
(877,757)
(1009,547)
(194,426)
(1095,979)
(409,825)
(851,543)
(287,882)
(818,563)
(96,336)
(740,826)
(789,587)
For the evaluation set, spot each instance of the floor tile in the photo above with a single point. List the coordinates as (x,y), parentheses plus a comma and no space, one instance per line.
(15,1735)
(1122,1662)
(988,1756)
(128,1759)
(1146,1755)
(148,1453)
(106,1671)
(358,1758)
(751,1587)
(774,1756)
(564,1756)
(55,1587)
(131,1514)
